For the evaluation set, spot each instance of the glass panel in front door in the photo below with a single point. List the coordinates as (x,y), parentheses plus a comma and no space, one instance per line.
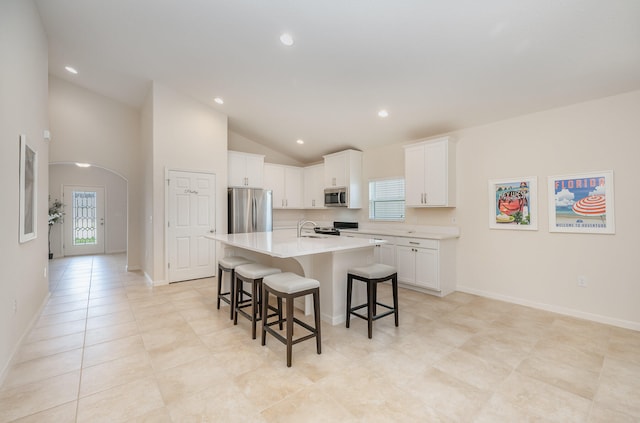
(84,231)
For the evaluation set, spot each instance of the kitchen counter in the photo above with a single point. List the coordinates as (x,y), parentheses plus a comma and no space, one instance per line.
(407,233)
(326,258)
(285,243)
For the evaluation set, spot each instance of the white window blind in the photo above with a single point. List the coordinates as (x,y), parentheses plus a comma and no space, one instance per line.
(386,199)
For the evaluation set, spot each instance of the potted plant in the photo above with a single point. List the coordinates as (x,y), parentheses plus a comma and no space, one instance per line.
(55,216)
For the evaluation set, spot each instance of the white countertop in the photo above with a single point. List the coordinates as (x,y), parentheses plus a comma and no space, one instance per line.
(402,233)
(285,243)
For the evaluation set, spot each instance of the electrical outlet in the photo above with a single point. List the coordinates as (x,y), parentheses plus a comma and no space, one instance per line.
(582,281)
(15,306)
(45,272)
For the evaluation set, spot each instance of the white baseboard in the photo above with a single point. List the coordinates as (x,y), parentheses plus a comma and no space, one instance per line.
(555,309)
(34,319)
(154,283)
(133,268)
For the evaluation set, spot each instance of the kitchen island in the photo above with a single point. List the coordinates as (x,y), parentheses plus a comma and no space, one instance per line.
(323,257)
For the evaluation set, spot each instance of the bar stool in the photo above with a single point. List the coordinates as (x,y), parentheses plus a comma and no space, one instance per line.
(251,273)
(372,275)
(289,286)
(228,265)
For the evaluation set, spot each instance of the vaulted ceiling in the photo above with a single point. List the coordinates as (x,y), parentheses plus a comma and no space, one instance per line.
(433,65)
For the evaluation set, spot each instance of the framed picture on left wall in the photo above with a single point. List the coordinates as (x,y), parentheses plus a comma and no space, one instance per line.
(513,203)
(28,191)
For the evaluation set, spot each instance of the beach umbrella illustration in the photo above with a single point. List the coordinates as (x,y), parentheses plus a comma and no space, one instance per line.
(593,205)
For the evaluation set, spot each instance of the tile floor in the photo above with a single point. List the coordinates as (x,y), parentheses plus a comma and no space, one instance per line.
(110,348)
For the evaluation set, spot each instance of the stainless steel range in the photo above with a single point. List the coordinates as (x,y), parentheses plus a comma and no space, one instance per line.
(335,229)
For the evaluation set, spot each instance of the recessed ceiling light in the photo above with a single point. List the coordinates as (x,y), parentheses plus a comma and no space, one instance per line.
(71,70)
(83,165)
(383,113)
(300,142)
(286,39)
(218,100)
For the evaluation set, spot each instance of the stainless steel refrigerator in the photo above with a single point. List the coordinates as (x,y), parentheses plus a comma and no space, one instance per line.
(250,210)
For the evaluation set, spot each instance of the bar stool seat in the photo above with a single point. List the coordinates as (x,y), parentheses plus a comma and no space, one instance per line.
(251,273)
(289,286)
(372,275)
(228,265)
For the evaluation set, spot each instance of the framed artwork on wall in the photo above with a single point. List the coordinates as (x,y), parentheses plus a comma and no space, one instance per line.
(582,203)
(513,203)
(28,191)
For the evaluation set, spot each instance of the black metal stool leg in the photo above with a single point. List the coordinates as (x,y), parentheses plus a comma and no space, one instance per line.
(349,291)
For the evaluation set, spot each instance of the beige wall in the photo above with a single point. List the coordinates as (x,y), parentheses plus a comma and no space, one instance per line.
(88,127)
(539,268)
(238,142)
(146,177)
(23,110)
(188,136)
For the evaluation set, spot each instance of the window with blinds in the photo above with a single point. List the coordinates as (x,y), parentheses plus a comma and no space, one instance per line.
(386,199)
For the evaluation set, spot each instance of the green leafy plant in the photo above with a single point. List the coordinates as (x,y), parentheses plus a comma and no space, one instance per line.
(56,214)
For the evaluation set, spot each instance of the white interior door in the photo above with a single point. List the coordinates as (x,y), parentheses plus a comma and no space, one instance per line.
(191,216)
(83,223)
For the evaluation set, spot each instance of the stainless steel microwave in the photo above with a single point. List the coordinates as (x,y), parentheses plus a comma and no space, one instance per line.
(336,197)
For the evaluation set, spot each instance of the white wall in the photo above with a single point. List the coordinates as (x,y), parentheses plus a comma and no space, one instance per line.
(145,221)
(189,136)
(115,188)
(238,142)
(88,127)
(23,110)
(541,268)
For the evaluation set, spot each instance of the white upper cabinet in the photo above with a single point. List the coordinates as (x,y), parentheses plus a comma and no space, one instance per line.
(286,184)
(335,170)
(430,170)
(245,169)
(344,169)
(314,187)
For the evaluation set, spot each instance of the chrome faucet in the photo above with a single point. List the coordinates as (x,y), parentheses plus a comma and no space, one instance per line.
(301,224)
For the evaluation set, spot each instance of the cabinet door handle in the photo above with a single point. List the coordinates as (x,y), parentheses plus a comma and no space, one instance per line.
(414,243)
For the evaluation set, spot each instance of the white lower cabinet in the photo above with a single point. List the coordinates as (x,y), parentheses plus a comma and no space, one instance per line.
(418,266)
(426,265)
(385,253)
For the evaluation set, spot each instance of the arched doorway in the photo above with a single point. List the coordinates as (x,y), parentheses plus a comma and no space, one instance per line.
(115,191)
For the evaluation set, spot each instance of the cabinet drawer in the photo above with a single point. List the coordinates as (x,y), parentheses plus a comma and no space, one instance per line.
(418,242)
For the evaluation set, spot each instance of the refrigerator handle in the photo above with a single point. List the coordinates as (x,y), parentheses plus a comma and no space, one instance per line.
(254,214)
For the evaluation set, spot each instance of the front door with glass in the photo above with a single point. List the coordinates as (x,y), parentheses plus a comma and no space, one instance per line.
(84,220)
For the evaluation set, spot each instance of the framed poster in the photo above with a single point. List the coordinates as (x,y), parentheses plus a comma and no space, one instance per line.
(28,191)
(582,203)
(513,203)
